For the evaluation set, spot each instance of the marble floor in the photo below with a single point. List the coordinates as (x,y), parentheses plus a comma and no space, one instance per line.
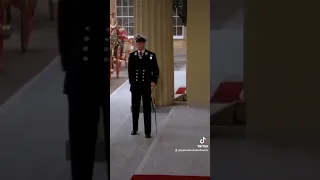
(158,155)
(175,150)
(33,131)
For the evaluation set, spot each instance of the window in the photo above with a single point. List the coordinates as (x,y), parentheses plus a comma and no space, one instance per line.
(177,26)
(125,17)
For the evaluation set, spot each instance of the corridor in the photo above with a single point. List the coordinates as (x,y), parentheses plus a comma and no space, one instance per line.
(33,132)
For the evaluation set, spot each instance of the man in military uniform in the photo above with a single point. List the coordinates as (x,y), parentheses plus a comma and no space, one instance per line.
(143,74)
(83,34)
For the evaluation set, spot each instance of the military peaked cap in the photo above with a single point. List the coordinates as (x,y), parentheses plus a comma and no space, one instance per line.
(140,38)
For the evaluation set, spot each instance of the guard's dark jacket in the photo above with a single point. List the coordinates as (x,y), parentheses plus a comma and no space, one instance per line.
(83,34)
(142,71)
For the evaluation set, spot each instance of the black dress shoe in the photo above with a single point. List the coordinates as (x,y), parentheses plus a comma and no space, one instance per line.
(133,132)
(147,136)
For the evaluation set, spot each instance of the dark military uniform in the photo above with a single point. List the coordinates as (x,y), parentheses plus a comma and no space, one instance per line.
(143,69)
(83,32)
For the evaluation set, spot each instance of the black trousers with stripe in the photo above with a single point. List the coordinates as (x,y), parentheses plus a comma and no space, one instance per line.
(136,96)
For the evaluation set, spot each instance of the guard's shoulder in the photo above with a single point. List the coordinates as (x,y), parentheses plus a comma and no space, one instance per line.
(133,52)
(150,52)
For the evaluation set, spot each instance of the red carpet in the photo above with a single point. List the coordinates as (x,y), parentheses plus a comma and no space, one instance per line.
(227,92)
(181,90)
(167,177)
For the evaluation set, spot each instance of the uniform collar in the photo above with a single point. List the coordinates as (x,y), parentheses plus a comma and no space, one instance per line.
(142,51)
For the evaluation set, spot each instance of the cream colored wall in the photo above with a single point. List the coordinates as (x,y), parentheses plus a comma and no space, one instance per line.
(198,53)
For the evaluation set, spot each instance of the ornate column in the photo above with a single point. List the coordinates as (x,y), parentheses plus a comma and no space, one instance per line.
(281,71)
(198,53)
(153,18)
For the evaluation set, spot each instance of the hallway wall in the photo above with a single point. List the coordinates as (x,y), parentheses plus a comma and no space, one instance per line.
(198,53)
(226,51)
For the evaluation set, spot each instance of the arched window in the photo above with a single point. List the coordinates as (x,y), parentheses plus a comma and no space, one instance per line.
(125,17)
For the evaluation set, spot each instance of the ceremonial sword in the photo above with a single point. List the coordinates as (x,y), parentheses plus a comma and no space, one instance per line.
(153,103)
